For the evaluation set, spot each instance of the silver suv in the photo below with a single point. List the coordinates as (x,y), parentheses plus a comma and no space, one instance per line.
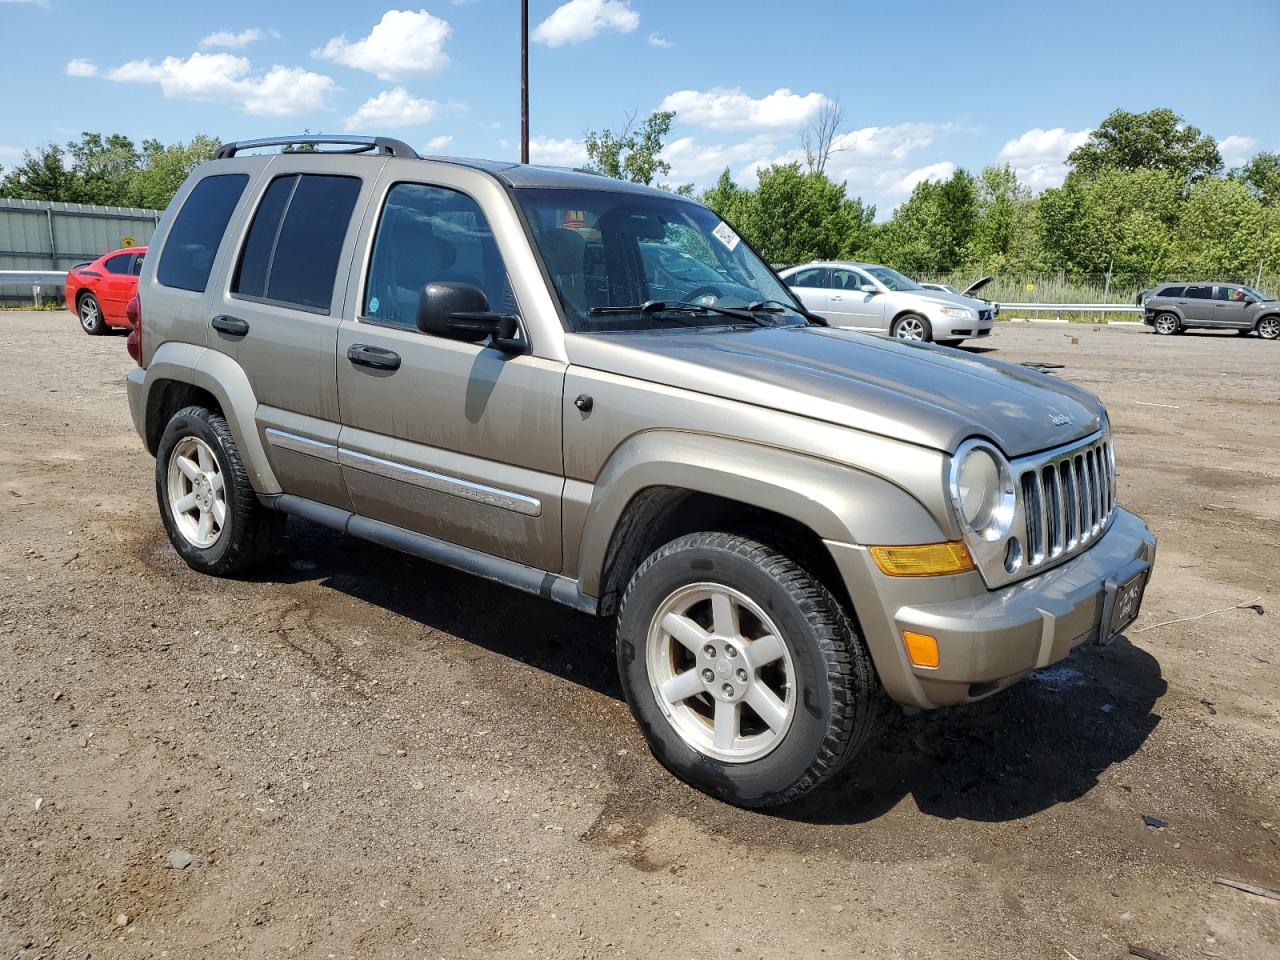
(466,361)
(876,299)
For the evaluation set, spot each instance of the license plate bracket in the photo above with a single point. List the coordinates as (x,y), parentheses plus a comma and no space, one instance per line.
(1123,601)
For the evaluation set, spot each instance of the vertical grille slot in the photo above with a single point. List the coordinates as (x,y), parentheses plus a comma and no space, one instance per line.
(1052,486)
(1070,503)
(1033,504)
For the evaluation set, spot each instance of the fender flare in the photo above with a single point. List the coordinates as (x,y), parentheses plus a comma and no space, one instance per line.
(226,380)
(835,501)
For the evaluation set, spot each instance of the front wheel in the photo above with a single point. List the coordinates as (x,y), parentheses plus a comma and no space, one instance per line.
(743,671)
(1167,324)
(911,326)
(1269,328)
(210,511)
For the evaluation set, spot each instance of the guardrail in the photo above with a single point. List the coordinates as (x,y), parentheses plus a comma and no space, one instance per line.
(38,280)
(1072,307)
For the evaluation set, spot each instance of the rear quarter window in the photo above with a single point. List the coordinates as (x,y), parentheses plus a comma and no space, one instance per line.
(193,240)
(1170,291)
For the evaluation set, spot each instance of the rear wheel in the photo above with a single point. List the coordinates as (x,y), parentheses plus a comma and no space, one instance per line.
(90,313)
(1269,328)
(210,511)
(1167,324)
(745,674)
(911,326)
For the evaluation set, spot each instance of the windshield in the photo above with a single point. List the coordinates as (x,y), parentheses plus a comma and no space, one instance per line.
(1256,294)
(607,250)
(893,279)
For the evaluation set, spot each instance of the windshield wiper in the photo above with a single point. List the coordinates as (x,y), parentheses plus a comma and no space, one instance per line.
(681,306)
(772,306)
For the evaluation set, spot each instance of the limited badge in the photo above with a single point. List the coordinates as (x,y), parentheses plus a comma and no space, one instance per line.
(724,233)
(373,304)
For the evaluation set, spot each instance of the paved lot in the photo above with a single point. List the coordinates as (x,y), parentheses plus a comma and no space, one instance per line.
(370,756)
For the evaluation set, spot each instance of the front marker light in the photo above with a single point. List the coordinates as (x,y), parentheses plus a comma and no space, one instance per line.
(923,560)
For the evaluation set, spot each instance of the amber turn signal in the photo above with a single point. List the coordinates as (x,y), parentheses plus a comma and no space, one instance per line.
(923,560)
(922,649)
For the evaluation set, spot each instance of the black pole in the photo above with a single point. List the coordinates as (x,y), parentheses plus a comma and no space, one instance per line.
(524,81)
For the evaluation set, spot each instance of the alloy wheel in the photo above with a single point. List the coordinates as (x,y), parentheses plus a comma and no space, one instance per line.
(197,492)
(1269,329)
(909,328)
(1166,324)
(90,316)
(721,672)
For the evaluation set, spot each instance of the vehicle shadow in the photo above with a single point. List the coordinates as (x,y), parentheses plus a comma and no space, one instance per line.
(1042,742)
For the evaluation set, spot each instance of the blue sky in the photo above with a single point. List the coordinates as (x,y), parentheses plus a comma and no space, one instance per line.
(925,86)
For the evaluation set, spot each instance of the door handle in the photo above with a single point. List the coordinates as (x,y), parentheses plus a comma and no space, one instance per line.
(232,326)
(835,297)
(364,355)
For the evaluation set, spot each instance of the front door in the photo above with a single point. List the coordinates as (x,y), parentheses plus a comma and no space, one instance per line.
(1231,309)
(459,441)
(277,313)
(851,305)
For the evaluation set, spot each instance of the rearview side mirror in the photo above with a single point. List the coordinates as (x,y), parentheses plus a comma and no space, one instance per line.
(867,288)
(460,311)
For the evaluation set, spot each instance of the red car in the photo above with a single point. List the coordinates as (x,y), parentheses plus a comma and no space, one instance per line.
(98,292)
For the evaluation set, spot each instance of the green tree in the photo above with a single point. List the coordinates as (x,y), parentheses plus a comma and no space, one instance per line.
(1262,175)
(1155,140)
(104,168)
(932,232)
(631,153)
(1222,229)
(42,175)
(1004,237)
(164,168)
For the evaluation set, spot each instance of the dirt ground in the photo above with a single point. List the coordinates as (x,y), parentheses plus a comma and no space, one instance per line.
(370,756)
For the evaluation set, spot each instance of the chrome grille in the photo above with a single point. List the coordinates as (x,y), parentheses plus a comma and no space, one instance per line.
(1066,500)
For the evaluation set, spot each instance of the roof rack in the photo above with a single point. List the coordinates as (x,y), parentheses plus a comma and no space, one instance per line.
(383,145)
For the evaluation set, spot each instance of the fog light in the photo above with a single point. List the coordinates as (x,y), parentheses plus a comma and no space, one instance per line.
(922,649)
(923,560)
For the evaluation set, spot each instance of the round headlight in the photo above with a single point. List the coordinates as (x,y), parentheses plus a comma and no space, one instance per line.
(983,492)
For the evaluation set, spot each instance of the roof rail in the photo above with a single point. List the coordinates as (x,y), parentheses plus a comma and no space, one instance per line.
(383,145)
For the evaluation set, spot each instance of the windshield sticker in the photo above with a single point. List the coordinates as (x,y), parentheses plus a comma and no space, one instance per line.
(724,233)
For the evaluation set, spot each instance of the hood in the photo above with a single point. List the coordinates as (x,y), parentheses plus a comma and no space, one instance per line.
(974,287)
(940,297)
(914,392)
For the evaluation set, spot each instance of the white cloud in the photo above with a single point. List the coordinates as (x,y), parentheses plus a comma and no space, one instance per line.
(225,77)
(885,143)
(934,171)
(79,67)
(557,153)
(722,109)
(1235,149)
(226,38)
(392,108)
(580,20)
(703,162)
(658,40)
(402,43)
(1039,156)
(436,144)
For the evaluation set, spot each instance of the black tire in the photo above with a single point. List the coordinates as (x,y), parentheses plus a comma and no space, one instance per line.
(838,700)
(923,321)
(251,531)
(1269,328)
(89,312)
(1172,325)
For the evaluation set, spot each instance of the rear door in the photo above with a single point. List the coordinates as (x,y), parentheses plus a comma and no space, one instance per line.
(456,440)
(277,311)
(1197,306)
(1230,308)
(811,286)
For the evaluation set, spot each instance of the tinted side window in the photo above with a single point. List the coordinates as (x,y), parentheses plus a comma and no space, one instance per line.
(1170,291)
(291,253)
(813,277)
(120,263)
(428,234)
(192,244)
(1200,293)
(137,264)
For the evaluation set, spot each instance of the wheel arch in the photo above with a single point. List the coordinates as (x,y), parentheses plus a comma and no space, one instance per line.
(181,374)
(658,486)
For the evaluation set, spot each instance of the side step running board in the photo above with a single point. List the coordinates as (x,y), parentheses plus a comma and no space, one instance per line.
(498,569)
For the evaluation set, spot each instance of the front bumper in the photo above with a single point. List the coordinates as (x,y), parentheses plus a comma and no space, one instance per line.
(948,328)
(988,639)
